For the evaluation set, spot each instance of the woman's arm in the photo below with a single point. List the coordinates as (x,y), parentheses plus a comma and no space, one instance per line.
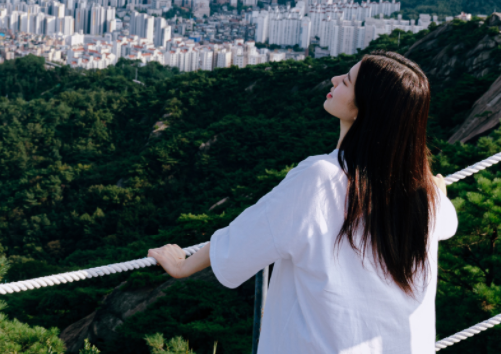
(440,182)
(173,259)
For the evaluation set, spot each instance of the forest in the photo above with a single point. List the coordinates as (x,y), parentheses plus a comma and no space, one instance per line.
(96,169)
(412,8)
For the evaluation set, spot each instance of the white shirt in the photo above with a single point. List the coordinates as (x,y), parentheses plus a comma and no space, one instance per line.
(321,301)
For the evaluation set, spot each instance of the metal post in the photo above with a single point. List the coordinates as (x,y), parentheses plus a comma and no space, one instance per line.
(259,302)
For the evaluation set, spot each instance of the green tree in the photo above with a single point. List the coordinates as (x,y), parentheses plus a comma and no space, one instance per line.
(19,338)
(174,346)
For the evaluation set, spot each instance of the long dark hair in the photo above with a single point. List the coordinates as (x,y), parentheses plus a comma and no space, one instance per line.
(384,154)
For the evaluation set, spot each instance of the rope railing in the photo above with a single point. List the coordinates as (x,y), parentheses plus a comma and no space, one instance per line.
(470,332)
(9,288)
(57,279)
(468,171)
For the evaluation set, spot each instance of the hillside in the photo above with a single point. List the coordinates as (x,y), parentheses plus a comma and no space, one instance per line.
(95,169)
(412,8)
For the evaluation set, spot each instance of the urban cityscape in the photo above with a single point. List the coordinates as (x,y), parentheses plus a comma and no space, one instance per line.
(93,34)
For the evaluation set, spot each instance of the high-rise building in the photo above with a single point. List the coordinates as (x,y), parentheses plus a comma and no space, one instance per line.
(50,24)
(160,24)
(284,28)
(39,24)
(189,60)
(3,18)
(206,58)
(80,14)
(223,59)
(68,27)
(24,22)
(262,21)
(57,9)
(14,21)
(112,25)
(172,58)
(166,35)
(305,34)
(109,15)
(149,27)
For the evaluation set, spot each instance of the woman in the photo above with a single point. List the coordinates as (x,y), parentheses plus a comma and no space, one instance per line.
(353,234)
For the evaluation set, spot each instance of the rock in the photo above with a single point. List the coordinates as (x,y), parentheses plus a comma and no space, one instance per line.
(158,128)
(485,114)
(75,334)
(121,183)
(323,85)
(251,86)
(222,201)
(205,147)
(494,19)
(445,62)
(100,326)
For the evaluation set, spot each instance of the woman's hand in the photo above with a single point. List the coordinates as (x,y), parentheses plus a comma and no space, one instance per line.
(171,258)
(440,182)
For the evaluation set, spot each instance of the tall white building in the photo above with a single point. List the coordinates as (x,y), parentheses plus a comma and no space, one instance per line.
(96,20)
(223,59)
(158,37)
(305,35)
(23,22)
(68,26)
(3,18)
(172,58)
(50,25)
(284,28)
(13,21)
(39,24)
(80,14)
(109,15)
(206,58)
(57,9)
(142,25)
(261,20)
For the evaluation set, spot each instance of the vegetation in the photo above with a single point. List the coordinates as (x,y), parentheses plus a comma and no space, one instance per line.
(19,338)
(174,346)
(96,169)
(177,11)
(412,8)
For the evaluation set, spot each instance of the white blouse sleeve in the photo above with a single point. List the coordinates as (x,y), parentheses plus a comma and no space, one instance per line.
(268,230)
(447,219)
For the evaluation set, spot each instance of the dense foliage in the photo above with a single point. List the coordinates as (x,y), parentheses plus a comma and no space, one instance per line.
(412,8)
(97,169)
(19,338)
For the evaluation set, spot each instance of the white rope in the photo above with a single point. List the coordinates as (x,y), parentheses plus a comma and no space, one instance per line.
(468,171)
(482,326)
(57,279)
(149,261)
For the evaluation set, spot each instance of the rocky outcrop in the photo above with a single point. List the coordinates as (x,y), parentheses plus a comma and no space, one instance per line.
(484,115)
(100,326)
(442,61)
(495,20)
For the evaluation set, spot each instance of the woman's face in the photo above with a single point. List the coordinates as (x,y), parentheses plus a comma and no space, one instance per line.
(340,100)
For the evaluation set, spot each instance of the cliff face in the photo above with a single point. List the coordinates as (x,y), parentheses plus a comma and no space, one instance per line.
(448,53)
(445,53)
(100,326)
(484,115)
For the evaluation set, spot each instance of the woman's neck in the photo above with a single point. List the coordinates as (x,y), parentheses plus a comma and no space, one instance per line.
(345,126)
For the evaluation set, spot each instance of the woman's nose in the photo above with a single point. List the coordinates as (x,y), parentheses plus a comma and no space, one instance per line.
(335,80)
